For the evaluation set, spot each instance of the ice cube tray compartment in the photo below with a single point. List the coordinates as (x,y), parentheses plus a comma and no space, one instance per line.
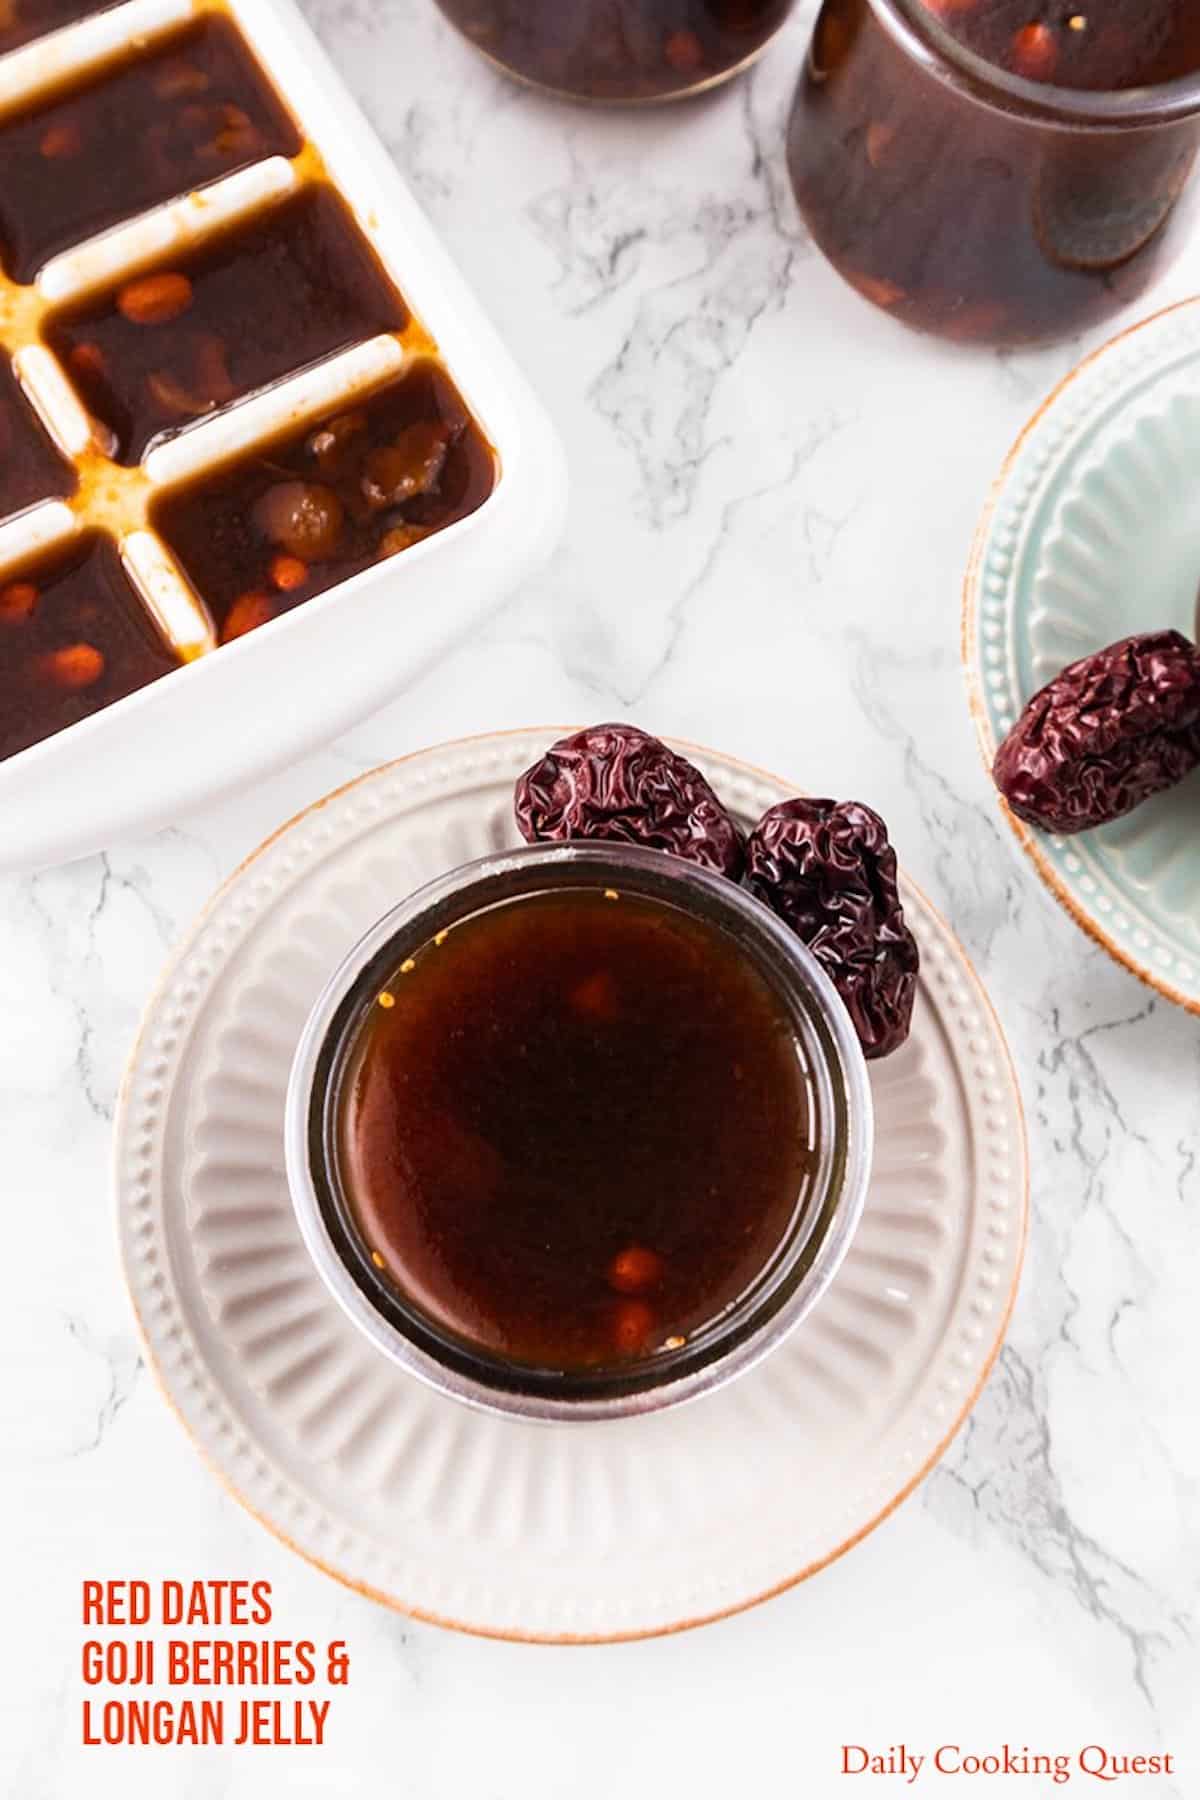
(276,222)
(99,478)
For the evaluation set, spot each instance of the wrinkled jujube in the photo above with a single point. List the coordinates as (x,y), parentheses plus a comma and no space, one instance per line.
(1106,734)
(616,781)
(829,871)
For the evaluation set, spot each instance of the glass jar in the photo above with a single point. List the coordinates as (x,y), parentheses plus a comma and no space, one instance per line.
(973,202)
(824,1218)
(614,50)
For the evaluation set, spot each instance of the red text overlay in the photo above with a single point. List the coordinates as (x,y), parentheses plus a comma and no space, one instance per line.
(1090,1763)
(162,1664)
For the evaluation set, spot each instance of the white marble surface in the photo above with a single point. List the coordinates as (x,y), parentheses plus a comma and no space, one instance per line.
(774,492)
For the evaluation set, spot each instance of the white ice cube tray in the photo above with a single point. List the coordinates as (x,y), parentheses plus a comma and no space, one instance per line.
(237,711)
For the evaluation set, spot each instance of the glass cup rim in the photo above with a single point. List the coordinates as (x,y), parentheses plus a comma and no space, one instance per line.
(811,1260)
(921,34)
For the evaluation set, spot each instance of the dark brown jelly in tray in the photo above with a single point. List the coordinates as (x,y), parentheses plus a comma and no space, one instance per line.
(30,467)
(23,20)
(264,298)
(158,124)
(74,637)
(313,507)
(574,1129)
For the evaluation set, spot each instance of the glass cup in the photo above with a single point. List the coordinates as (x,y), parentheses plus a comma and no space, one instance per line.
(800,1269)
(618,50)
(974,203)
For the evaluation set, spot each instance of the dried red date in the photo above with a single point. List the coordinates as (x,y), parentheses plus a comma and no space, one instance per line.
(615,781)
(829,871)
(1104,735)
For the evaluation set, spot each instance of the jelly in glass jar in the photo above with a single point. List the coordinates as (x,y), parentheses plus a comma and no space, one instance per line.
(619,50)
(998,171)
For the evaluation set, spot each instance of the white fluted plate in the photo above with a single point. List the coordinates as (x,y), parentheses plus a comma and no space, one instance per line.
(584,1532)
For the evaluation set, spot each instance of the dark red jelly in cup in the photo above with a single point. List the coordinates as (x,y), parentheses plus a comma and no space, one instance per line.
(578,1127)
(618,50)
(998,171)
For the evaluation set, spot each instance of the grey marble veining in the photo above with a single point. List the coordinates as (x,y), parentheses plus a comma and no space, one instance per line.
(773,497)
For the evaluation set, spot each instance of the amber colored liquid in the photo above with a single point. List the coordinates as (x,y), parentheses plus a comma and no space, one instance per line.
(564,1081)
(618,49)
(268,295)
(115,144)
(978,223)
